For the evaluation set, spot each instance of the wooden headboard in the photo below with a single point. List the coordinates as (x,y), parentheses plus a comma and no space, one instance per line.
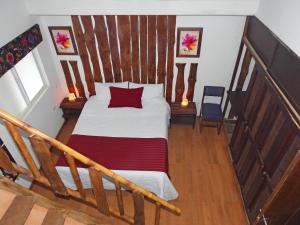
(139,49)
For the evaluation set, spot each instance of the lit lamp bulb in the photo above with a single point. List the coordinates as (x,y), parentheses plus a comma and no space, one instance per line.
(185,102)
(72,97)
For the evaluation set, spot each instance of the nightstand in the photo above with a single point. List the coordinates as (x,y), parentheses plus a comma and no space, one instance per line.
(72,108)
(183,114)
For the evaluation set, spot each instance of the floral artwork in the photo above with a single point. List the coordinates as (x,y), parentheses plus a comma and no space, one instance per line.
(63,40)
(18,48)
(189,42)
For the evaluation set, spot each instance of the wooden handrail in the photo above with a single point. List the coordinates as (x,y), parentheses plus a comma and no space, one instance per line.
(37,138)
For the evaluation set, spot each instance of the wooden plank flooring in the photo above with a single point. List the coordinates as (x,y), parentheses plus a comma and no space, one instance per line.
(201,171)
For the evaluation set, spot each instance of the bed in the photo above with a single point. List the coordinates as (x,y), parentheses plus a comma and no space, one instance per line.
(130,141)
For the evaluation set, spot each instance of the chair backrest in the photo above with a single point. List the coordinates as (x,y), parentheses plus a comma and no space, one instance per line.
(214,91)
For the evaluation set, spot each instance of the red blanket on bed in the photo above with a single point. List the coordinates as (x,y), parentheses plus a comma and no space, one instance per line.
(147,154)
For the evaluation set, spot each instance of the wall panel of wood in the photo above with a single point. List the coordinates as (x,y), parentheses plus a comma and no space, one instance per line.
(114,47)
(84,55)
(192,81)
(170,60)
(125,49)
(151,49)
(89,38)
(78,84)
(143,46)
(69,81)
(103,47)
(180,82)
(162,35)
(132,48)
(134,26)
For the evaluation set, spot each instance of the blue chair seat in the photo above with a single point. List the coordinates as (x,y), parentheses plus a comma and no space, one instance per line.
(211,111)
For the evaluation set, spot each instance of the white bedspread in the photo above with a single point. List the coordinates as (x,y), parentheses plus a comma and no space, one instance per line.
(151,121)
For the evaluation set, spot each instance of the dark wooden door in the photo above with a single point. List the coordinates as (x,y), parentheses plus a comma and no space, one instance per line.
(264,142)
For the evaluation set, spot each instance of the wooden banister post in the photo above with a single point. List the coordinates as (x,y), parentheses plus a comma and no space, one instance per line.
(48,167)
(75,175)
(139,208)
(5,162)
(99,192)
(23,148)
(157,213)
(119,197)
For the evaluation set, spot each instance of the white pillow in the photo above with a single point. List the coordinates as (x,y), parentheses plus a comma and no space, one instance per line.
(103,92)
(150,90)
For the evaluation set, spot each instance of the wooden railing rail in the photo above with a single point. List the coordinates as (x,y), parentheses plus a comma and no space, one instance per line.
(49,177)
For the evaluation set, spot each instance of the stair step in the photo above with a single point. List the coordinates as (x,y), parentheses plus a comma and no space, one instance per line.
(37,215)
(54,217)
(6,198)
(18,211)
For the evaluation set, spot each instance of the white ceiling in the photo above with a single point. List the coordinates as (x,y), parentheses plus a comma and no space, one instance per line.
(140,7)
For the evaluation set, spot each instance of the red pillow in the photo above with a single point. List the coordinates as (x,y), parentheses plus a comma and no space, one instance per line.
(123,97)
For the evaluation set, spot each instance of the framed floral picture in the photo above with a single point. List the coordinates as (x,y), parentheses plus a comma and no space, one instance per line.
(189,41)
(63,40)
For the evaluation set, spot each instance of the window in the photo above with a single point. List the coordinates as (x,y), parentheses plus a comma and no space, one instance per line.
(28,73)
(22,85)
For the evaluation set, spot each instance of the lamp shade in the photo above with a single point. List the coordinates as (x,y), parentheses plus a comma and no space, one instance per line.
(185,102)
(72,97)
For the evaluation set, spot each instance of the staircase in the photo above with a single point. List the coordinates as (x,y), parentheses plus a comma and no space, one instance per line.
(19,206)
(49,177)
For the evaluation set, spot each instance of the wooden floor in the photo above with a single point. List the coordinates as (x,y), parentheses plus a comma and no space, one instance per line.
(202,173)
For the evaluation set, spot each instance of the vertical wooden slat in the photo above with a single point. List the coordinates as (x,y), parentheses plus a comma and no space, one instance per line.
(91,46)
(84,56)
(180,82)
(162,37)
(114,49)
(124,38)
(78,84)
(143,49)
(69,81)
(22,148)
(157,213)
(139,208)
(134,23)
(244,70)
(170,60)
(75,174)
(99,192)
(151,49)
(103,47)
(47,165)
(192,81)
(119,197)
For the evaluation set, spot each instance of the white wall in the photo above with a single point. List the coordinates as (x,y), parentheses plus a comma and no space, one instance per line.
(45,115)
(282,17)
(145,7)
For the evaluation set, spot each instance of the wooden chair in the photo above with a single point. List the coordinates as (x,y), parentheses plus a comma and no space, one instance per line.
(212,112)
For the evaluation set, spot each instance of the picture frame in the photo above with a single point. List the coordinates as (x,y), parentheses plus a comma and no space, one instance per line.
(189,41)
(63,40)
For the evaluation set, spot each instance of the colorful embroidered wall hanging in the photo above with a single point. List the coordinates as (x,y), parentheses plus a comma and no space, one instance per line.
(18,48)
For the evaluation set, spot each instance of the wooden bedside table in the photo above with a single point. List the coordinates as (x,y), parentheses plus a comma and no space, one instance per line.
(72,108)
(183,114)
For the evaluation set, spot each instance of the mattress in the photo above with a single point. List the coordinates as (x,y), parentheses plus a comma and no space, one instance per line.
(151,122)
